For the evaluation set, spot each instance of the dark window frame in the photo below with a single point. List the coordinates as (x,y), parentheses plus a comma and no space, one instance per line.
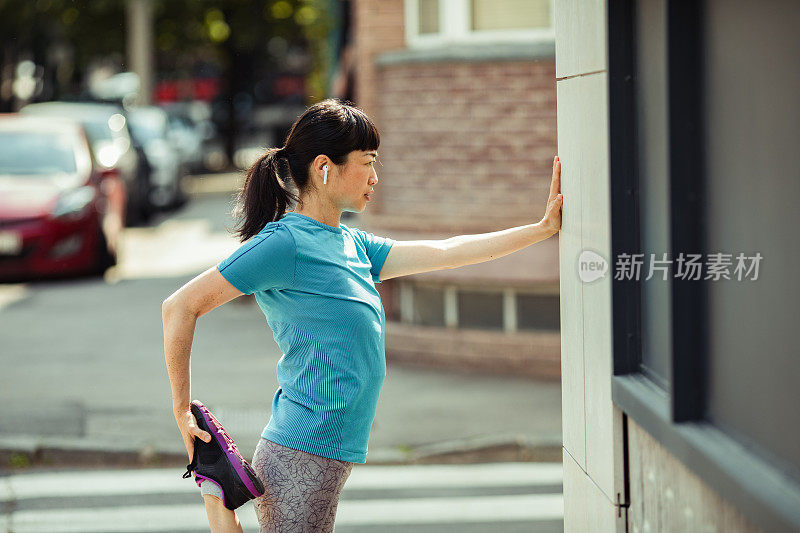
(676,417)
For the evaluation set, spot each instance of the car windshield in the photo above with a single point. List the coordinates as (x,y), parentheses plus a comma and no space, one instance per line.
(36,153)
(147,126)
(177,122)
(98,131)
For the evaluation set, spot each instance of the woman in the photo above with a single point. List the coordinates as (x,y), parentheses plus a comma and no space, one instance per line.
(314,279)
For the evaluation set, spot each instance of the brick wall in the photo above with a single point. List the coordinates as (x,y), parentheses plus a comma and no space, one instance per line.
(534,355)
(378,26)
(466,144)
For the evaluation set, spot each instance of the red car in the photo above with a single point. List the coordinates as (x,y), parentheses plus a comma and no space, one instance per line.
(61,213)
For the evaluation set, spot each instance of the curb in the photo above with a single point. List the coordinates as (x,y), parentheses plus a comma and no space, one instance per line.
(19,453)
(483,449)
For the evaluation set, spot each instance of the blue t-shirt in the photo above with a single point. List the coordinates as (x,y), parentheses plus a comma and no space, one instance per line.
(315,284)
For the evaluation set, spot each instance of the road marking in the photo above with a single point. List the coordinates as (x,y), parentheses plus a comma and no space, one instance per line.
(152,518)
(169,480)
(52,488)
(12,293)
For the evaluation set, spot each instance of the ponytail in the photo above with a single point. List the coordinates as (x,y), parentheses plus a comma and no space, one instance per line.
(263,197)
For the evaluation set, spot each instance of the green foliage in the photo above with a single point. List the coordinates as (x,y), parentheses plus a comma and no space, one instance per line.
(184,29)
(19,460)
(94,27)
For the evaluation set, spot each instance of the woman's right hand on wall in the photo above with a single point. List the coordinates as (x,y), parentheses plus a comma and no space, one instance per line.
(552,215)
(187,424)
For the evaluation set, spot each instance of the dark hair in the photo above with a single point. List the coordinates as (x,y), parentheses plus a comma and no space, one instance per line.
(331,127)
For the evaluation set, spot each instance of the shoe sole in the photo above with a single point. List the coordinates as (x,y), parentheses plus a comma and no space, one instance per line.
(243,469)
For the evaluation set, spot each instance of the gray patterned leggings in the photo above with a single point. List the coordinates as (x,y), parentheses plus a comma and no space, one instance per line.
(302,489)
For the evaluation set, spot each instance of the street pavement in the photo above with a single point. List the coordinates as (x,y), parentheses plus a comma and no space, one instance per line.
(500,497)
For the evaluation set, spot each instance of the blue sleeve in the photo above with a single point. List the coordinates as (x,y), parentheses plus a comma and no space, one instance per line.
(265,261)
(377,250)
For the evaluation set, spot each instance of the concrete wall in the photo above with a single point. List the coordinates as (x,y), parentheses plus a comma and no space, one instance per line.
(592,426)
(666,496)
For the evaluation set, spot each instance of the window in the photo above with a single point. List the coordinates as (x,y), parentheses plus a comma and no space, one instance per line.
(538,312)
(480,310)
(428,304)
(476,307)
(509,14)
(438,22)
(702,135)
(753,369)
(651,112)
(428,16)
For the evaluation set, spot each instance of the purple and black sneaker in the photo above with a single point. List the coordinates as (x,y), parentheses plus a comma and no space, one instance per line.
(219,461)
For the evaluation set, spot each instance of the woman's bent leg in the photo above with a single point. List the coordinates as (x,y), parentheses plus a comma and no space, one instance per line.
(301,489)
(220,518)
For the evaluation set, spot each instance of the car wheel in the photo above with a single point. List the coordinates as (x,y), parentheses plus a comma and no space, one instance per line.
(104,259)
(180,197)
(138,214)
(140,211)
(180,200)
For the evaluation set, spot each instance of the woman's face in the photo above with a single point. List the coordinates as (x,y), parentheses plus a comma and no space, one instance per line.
(356,178)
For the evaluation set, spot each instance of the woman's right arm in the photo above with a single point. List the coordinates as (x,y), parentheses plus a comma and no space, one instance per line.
(179,313)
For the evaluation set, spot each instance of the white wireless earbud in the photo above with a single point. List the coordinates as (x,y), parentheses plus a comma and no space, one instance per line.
(325,178)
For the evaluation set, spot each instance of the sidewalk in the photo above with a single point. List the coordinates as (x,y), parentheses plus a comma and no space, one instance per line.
(210,184)
(423,417)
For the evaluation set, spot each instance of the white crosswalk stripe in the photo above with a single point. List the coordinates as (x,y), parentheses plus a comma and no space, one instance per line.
(150,500)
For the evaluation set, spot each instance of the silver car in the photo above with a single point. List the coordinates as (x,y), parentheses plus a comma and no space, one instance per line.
(150,127)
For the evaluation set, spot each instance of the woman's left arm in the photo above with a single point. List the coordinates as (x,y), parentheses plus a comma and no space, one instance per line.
(412,257)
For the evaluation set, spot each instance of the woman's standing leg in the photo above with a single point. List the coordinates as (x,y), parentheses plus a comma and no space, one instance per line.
(334,500)
(220,518)
(302,489)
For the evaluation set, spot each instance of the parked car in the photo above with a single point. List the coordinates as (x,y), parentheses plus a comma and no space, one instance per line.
(188,140)
(150,127)
(61,211)
(108,131)
(191,124)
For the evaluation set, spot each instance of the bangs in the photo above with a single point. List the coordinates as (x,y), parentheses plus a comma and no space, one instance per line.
(362,133)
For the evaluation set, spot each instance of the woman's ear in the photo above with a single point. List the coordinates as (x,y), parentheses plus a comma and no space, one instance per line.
(319,164)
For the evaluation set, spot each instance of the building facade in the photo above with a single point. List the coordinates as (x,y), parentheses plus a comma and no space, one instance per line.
(463,93)
(678,128)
